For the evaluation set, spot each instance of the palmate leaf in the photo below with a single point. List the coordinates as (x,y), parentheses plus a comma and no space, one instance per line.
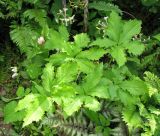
(10,113)
(81,40)
(119,55)
(92,54)
(118,38)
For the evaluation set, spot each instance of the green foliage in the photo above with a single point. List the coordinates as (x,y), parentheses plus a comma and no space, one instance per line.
(11,115)
(103,6)
(118,38)
(74,85)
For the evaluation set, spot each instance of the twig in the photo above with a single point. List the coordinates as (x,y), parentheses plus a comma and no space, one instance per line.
(129,14)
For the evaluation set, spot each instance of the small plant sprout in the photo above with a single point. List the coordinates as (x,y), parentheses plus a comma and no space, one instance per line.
(41,40)
(15,72)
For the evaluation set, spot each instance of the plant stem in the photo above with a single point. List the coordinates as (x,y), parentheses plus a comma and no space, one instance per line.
(85,16)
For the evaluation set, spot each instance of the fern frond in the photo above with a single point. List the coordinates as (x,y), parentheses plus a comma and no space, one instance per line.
(24,37)
(153,80)
(38,14)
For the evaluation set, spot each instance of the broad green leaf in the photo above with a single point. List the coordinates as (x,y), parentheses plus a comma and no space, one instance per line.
(84,65)
(81,40)
(67,72)
(103,43)
(65,91)
(55,41)
(119,55)
(58,58)
(64,32)
(11,115)
(131,117)
(93,78)
(37,109)
(34,71)
(135,47)
(26,101)
(130,29)
(20,92)
(71,105)
(112,92)
(91,103)
(114,28)
(48,77)
(99,91)
(135,86)
(126,98)
(40,89)
(92,54)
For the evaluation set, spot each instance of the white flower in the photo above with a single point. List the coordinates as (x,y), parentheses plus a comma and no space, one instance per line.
(14,70)
(41,40)
(14,75)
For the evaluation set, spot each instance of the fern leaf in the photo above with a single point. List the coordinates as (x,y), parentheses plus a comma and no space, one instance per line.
(23,36)
(38,14)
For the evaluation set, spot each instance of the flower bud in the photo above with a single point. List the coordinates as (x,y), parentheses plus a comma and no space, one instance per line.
(41,40)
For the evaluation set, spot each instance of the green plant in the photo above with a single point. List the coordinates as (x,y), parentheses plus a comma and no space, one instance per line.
(82,83)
